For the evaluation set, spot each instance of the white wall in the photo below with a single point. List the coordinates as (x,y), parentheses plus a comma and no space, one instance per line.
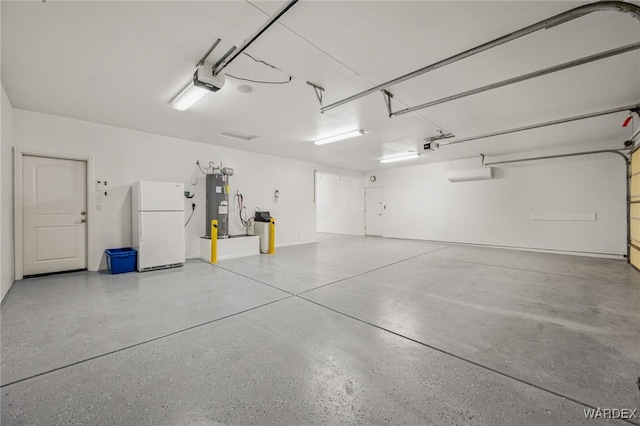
(340,202)
(124,156)
(6,209)
(423,204)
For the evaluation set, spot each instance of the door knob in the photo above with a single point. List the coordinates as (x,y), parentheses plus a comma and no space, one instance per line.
(83,220)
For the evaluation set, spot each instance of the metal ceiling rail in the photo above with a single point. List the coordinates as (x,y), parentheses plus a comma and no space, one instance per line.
(545,124)
(528,76)
(549,157)
(272,20)
(616,6)
(206,55)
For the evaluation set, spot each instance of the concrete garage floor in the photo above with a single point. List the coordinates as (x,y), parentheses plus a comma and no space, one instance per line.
(352,330)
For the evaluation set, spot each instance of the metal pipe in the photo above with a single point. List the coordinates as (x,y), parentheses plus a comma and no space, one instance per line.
(561,18)
(221,60)
(213,254)
(257,34)
(545,124)
(206,55)
(635,135)
(549,157)
(629,200)
(315,185)
(628,178)
(528,76)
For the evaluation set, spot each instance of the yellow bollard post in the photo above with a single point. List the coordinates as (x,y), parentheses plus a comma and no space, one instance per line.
(214,241)
(272,236)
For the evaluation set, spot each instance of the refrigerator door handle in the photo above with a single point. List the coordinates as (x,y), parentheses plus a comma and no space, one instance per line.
(140,227)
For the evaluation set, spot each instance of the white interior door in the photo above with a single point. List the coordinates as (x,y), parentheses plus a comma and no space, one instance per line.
(373,211)
(54,215)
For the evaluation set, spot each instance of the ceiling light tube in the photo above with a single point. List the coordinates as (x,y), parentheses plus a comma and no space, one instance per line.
(189,96)
(400,158)
(340,137)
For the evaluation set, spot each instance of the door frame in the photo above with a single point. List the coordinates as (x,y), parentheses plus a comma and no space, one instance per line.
(17,204)
(365,209)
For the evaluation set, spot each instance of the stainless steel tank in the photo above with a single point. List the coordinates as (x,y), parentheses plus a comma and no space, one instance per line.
(218,202)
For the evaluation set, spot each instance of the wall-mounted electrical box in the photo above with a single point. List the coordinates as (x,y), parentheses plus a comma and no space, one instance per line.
(101,186)
(430,146)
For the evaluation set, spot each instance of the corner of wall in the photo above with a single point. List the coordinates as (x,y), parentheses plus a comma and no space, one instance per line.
(7,267)
(340,201)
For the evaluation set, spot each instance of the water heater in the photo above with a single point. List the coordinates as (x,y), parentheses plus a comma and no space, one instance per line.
(217,187)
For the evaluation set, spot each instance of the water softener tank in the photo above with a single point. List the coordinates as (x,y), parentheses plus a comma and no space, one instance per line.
(218,201)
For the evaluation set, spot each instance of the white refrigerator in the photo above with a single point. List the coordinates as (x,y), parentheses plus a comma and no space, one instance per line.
(158,224)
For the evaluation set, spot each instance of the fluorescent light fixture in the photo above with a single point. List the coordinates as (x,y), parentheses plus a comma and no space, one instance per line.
(233,134)
(400,158)
(189,96)
(340,137)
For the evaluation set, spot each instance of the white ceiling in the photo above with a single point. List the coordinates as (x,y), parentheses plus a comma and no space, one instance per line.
(120,63)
